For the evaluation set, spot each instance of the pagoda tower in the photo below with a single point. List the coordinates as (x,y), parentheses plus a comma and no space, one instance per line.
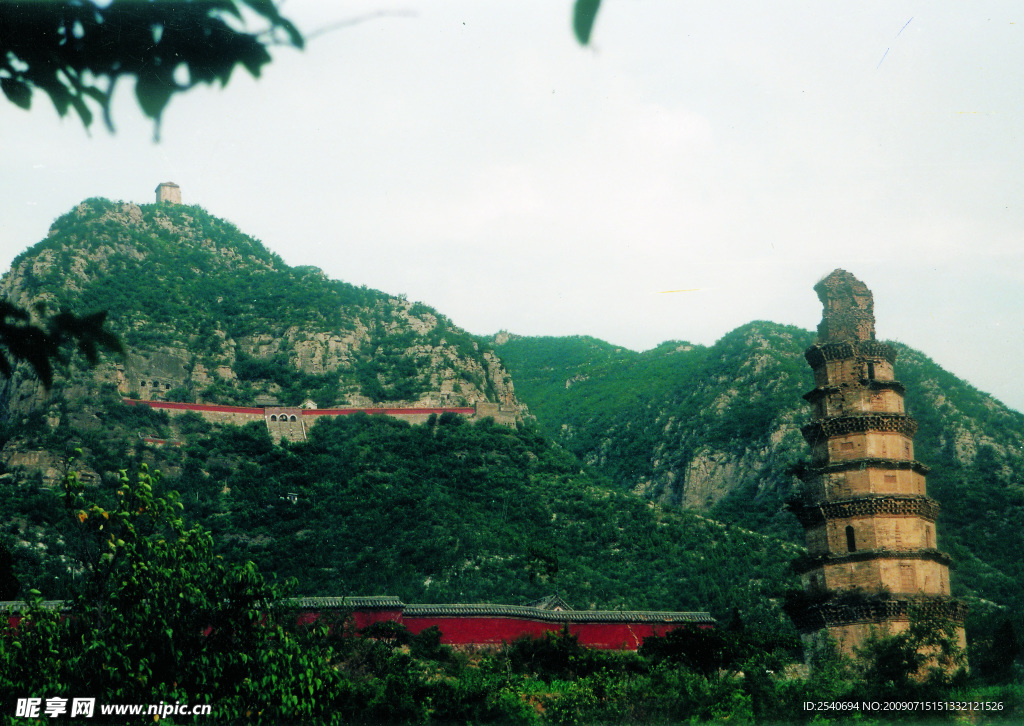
(872,557)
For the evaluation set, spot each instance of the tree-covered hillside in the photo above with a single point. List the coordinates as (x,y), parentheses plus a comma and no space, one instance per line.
(684,424)
(224,320)
(716,429)
(445,512)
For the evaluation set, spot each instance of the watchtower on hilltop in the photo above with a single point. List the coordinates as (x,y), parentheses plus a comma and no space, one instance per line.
(872,557)
(168,192)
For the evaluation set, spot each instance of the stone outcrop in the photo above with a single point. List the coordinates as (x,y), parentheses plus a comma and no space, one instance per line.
(50,467)
(151,374)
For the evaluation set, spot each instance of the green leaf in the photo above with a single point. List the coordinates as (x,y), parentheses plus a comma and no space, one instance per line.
(153,91)
(583,16)
(59,96)
(18,92)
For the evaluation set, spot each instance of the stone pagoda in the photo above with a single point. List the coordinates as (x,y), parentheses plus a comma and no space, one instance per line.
(872,556)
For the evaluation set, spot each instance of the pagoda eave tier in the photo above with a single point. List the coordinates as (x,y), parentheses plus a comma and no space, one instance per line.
(836,467)
(811,515)
(871,384)
(818,355)
(848,611)
(806,563)
(818,431)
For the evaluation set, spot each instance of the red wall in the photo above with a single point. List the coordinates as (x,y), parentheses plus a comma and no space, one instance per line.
(496,630)
(198,407)
(485,630)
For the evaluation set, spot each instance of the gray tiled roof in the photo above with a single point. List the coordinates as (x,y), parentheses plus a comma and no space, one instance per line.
(390,602)
(555,616)
(369,602)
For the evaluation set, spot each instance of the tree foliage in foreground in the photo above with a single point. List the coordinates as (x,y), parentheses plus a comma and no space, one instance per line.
(584,14)
(155,617)
(76,51)
(42,342)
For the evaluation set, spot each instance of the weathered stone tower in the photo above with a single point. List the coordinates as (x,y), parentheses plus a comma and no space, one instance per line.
(168,192)
(872,555)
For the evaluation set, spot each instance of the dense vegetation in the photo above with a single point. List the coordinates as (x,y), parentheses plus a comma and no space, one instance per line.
(642,417)
(158,618)
(176,278)
(445,512)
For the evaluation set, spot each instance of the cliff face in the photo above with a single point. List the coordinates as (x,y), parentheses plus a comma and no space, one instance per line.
(210,315)
(686,425)
(717,429)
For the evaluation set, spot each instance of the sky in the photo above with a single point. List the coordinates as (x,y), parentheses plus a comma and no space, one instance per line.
(700,165)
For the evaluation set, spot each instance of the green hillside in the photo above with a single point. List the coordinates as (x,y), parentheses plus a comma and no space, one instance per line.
(716,429)
(191,289)
(653,480)
(440,513)
(644,419)
(445,512)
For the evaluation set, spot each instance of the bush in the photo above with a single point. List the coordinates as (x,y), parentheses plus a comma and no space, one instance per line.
(158,617)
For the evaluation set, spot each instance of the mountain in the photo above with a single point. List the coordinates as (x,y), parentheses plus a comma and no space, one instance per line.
(716,429)
(210,314)
(445,511)
(683,424)
(654,479)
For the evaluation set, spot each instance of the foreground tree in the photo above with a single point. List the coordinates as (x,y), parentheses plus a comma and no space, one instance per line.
(76,51)
(43,340)
(158,617)
(923,662)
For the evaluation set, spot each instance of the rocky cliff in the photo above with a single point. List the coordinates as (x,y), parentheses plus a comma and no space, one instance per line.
(210,315)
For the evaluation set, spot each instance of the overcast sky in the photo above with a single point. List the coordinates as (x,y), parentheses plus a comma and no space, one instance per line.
(472,156)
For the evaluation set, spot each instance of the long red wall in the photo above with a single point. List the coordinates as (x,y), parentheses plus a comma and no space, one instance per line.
(498,630)
(211,408)
(493,630)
